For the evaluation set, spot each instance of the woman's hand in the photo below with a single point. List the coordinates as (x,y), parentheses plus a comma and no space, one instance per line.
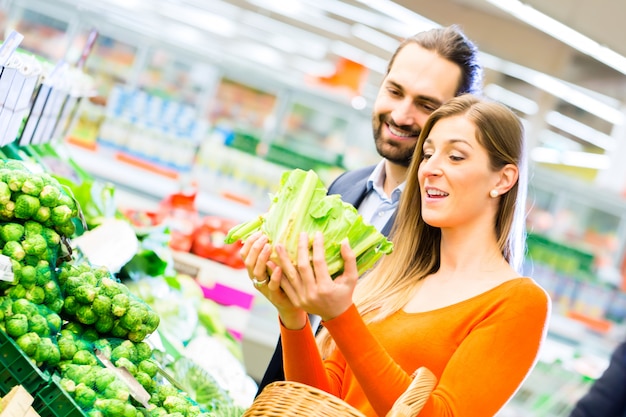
(266,277)
(309,286)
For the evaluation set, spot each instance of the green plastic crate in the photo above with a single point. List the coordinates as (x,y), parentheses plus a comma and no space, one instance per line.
(16,368)
(53,401)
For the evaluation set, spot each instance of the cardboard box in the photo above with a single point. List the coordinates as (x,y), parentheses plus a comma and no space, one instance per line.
(17,403)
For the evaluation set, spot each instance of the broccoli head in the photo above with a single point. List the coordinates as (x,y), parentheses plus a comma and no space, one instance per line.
(26,206)
(16,325)
(28,342)
(12,232)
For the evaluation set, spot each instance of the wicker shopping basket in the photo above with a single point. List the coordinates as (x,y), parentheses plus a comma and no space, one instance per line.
(289,398)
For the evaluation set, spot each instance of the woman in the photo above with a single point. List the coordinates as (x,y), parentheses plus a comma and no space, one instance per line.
(449,298)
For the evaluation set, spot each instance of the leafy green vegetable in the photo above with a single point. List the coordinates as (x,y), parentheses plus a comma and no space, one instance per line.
(301,204)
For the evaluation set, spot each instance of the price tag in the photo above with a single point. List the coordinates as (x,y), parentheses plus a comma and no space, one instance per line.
(6,269)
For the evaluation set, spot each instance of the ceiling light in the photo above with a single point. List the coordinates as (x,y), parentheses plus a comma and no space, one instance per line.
(375,37)
(570,158)
(199,18)
(605,108)
(511,99)
(563,33)
(580,130)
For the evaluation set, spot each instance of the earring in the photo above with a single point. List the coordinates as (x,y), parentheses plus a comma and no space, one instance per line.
(493,193)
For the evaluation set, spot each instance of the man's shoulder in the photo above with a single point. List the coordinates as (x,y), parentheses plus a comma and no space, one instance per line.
(352,176)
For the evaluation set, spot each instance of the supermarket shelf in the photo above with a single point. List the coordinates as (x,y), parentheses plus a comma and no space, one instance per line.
(150,185)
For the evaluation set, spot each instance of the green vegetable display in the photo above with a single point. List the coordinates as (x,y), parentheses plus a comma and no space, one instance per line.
(301,204)
(94,298)
(60,311)
(26,195)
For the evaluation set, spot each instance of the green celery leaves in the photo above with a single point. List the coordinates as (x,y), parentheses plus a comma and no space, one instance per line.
(301,204)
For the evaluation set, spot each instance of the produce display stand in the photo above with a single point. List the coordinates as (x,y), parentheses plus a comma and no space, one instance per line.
(46,395)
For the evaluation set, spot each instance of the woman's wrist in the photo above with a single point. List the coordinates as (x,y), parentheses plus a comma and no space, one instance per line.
(293,320)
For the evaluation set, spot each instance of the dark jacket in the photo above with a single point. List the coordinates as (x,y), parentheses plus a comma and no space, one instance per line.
(607,395)
(351,185)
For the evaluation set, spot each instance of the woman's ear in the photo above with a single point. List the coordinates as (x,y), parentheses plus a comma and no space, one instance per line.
(508,178)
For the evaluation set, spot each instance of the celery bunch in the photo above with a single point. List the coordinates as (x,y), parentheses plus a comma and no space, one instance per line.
(301,204)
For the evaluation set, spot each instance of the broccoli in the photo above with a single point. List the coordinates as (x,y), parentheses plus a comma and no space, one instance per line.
(28,342)
(54,322)
(110,407)
(5,193)
(23,306)
(144,351)
(70,305)
(7,210)
(28,276)
(126,349)
(42,215)
(47,352)
(104,324)
(84,396)
(116,389)
(49,195)
(34,245)
(67,348)
(72,283)
(17,291)
(52,292)
(101,305)
(84,357)
(44,274)
(35,295)
(32,228)
(126,363)
(32,185)
(138,334)
(38,324)
(176,404)
(145,380)
(52,237)
(119,304)
(16,325)
(26,206)
(15,180)
(77,373)
(67,384)
(132,320)
(66,229)
(110,287)
(104,378)
(14,250)
(148,366)
(85,315)
(88,277)
(56,305)
(12,232)
(85,294)
(59,215)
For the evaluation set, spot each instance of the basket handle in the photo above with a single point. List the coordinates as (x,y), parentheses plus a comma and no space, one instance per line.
(411,402)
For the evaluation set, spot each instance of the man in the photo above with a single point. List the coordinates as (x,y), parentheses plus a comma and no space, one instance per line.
(607,395)
(425,71)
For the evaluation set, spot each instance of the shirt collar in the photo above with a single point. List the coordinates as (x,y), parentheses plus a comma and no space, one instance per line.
(377,179)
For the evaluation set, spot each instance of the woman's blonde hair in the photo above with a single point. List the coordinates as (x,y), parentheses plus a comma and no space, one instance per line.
(390,284)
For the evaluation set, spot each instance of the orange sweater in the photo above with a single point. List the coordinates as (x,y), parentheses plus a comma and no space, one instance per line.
(480,349)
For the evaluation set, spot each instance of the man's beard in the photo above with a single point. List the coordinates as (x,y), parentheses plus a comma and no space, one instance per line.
(394,151)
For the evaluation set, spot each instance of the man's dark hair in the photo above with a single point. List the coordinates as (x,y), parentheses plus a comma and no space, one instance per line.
(451,44)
